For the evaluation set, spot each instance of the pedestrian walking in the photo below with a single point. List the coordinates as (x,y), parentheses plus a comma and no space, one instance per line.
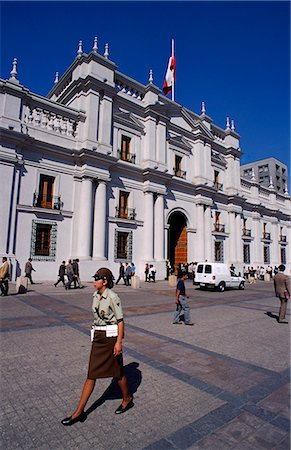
(121,274)
(283,291)
(127,274)
(106,358)
(132,266)
(182,304)
(62,272)
(146,272)
(76,274)
(28,269)
(70,274)
(152,273)
(4,277)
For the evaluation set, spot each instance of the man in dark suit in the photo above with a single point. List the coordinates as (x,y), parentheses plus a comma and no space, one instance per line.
(282,290)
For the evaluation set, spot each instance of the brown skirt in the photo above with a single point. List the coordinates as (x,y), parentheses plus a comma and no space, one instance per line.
(103,363)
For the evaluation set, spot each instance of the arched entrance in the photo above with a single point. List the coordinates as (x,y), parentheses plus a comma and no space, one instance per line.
(177,239)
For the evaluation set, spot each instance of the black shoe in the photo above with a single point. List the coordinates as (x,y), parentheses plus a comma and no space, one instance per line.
(69,421)
(121,410)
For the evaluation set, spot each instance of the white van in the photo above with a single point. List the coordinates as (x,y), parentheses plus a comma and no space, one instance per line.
(217,276)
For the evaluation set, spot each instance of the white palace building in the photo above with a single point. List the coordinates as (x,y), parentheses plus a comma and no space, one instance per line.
(108,170)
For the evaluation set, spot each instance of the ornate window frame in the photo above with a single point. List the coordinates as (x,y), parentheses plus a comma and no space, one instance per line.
(53,241)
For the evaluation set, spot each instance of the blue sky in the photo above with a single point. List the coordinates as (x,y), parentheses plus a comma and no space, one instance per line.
(234,56)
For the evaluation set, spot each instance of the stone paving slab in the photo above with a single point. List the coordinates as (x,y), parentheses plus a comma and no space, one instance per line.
(222,384)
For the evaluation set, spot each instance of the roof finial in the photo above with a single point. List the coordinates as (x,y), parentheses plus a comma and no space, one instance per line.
(203,108)
(232,125)
(151,80)
(227,123)
(80,50)
(271,186)
(106,50)
(56,78)
(95,46)
(13,72)
(253,178)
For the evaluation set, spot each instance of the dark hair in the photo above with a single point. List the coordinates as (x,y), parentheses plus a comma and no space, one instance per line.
(281,267)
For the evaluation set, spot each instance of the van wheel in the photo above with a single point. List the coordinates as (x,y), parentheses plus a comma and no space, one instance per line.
(221,286)
(241,285)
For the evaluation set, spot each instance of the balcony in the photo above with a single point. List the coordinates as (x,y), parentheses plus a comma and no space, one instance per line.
(219,228)
(47,201)
(218,186)
(180,173)
(266,236)
(246,233)
(125,213)
(128,157)
(283,239)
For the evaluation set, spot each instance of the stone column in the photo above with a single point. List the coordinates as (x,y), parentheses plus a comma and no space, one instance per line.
(85,219)
(99,230)
(257,246)
(239,243)
(148,226)
(274,246)
(200,235)
(232,238)
(208,234)
(159,229)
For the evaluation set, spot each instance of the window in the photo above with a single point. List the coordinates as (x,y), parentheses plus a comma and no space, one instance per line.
(123,204)
(43,240)
(123,246)
(125,148)
(248,172)
(208,268)
(178,167)
(266,254)
(264,168)
(283,255)
(46,191)
(246,252)
(218,251)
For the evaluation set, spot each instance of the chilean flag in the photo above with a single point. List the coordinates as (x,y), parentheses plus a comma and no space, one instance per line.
(170,75)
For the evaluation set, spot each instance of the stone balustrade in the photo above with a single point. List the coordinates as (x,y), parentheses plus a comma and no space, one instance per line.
(129,86)
(49,119)
(218,134)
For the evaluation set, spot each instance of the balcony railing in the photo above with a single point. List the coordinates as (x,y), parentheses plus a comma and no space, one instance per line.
(128,157)
(180,173)
(218,186)
(267,236)
(125,213)
(283,238)
(48,202)
(246,232)
(219,228)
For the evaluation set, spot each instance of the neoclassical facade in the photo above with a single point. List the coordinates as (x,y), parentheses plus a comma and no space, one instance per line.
(109,170)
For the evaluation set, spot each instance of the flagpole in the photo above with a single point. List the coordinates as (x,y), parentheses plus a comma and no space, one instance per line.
(173,81)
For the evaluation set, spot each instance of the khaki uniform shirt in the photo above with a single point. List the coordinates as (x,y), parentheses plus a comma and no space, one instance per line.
(106,308)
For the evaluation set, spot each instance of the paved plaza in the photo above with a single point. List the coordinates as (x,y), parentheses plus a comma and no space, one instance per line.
(222,384)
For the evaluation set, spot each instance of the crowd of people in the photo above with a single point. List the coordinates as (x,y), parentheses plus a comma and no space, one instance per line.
(126,272)
(252,274)
(69,274)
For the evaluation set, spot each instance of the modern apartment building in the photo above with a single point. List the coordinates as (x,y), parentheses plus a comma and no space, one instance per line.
(268,172)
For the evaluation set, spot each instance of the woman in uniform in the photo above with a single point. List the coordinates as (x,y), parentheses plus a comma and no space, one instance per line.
(106,354)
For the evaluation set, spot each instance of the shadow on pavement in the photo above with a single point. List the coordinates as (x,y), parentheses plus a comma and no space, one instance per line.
(134,378)
(270,314)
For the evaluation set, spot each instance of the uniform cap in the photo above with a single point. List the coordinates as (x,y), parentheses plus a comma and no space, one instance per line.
(105,273)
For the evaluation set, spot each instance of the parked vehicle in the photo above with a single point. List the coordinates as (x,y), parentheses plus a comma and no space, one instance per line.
(217,276)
